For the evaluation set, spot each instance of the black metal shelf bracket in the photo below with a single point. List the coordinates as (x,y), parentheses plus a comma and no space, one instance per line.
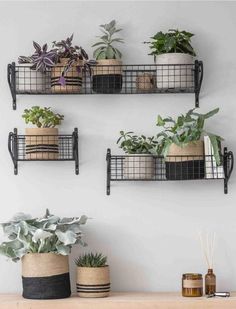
(11,78)
(158,168)
(66,145)
(198,77)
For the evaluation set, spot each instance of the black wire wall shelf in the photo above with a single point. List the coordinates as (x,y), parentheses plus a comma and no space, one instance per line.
(158,168)
(108,79)
(62,147)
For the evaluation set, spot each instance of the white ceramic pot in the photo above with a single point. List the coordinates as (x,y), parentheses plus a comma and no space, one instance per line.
(138,167)
(175,70)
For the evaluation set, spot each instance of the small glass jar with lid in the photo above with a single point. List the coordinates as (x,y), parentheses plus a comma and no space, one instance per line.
(192,285)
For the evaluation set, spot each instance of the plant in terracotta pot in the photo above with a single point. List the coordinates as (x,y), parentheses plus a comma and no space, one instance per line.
(181,144)
(34,71)
(139,162)
(93,278)
(43,245)
(174,55)
(107,74)
(42,141)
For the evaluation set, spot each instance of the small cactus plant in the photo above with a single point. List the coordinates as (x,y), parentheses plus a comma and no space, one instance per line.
(91,260)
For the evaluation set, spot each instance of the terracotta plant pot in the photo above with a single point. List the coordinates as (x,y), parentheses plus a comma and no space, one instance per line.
(185,163)
(146,82)
(107,76)
(93,281)
(41,143)
(73,78)
(45,276)
(179,75)
(138,167)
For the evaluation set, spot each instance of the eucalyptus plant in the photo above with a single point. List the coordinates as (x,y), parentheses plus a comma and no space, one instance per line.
(106,49)
(91,260)
(49,234)
(133,144)
(173,41)
(42,117)
(188,128)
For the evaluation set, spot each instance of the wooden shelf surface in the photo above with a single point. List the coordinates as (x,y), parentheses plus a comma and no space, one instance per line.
(129,300)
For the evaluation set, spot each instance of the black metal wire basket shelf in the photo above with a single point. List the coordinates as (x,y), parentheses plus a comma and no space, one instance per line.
(108,79)
(158,168)
(63,147)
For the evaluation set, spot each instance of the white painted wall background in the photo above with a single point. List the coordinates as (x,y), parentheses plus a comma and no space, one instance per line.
(148,230)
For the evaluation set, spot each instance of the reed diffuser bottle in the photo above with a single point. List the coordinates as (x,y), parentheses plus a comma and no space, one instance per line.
(210,282)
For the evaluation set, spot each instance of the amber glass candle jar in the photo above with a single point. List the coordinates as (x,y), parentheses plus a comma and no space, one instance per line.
(192,285)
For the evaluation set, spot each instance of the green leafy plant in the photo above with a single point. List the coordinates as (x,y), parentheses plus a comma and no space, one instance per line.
(188,128)
(91,260)
(133,144)
(41,235)
(106,50)
(42,117)
(173,41)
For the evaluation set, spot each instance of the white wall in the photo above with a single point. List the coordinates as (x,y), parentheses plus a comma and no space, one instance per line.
(148,230)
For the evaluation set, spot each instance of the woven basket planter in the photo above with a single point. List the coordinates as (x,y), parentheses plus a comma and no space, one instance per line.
(185,163)
(41,143)
(107,76)
(93,281)
(73,78)
(45,276)
(138,167)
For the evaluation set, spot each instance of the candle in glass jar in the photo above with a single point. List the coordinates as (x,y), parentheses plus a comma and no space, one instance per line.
(192,285)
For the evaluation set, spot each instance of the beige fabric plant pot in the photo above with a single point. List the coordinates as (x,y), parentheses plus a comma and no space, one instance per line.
(177,75)
(73,77)
(41,143)
(193,151)
(138,167)
(146,82)
(107,66)
(93,281)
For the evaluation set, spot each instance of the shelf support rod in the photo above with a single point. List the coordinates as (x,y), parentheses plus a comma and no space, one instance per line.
(75,150)
(11,78)
(198,77)
(12,148)
(108,158)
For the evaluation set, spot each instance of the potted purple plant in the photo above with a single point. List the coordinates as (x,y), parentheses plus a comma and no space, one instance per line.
(35,70)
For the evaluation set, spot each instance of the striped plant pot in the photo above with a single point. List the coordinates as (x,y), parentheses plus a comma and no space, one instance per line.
(45,276)
(73,78)
(93,281)
(41,143)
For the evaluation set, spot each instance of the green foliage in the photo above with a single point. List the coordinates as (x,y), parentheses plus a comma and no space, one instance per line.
(174,41)
(184,130)
(42,117)
(133,144)
(91,260)
(106,50)
(40,235)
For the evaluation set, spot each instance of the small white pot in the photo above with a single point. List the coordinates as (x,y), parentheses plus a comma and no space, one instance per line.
(138,167)
(177,75)
(28,80)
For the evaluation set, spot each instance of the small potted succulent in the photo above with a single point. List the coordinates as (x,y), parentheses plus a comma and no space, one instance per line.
(42,141)
(93,277)
(139,162)
(35,71)
(43,245)
(107,74)
(171,50)
(181,144)
(67,74)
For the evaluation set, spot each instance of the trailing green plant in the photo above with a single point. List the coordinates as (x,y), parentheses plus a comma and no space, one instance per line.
(133,144)
(106,50)
(49,234)
(91,260)
(188,128)
(173,41)
(42,117)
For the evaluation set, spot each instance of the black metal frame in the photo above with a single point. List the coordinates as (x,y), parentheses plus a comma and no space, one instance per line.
(115,168)
(16,148)
(128,83)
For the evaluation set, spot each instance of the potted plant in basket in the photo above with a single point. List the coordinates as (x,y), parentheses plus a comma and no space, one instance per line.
(174,55)
(42,141)
(181,144)
(42,245)
(93,278)
(67,74)
(34,71)
(107,74)
(139,163)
